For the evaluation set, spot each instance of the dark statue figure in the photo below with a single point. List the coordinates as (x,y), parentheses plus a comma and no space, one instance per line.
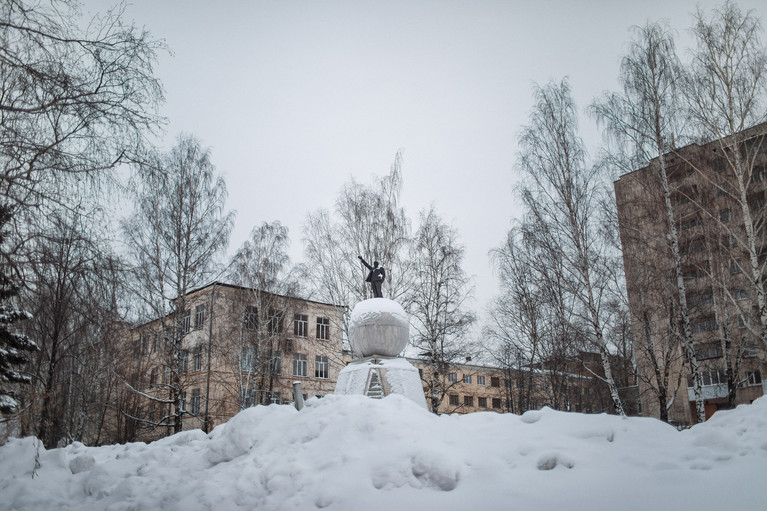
(375,277)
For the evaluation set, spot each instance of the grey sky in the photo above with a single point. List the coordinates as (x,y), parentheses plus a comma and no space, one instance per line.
(295,98)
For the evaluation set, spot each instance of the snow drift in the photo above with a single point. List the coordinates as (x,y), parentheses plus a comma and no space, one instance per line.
(352,453)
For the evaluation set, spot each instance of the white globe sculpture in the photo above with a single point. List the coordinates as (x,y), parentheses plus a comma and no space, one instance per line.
(378,326)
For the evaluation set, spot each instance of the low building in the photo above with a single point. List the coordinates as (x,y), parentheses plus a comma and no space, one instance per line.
(471,387)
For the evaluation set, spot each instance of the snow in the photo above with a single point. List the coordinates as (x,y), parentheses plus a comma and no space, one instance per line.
(353,452)
(373,308)
(398,375)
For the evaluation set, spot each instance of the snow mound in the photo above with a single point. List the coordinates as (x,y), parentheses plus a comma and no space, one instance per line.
(352,452)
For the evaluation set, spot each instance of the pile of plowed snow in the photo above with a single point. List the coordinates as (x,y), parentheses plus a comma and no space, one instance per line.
(355,453)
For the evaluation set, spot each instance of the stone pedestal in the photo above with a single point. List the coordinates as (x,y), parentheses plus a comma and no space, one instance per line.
(378,332)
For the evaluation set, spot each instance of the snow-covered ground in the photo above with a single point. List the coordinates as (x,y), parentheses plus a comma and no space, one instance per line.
(356,453)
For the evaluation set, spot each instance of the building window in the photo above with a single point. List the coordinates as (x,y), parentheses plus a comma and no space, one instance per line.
(166,376)
(509,383)
(691,274)
(197,358)
(274,398)
(753,378)
(453,399)
(735,267)
(183,361)
(714,377)
(744,320)
(706,325)
(725,215)
(274,326)
(299,364)
(689,224)
(276,360)
(467,379)
(495,382)
(321,366)
(187,321)
(700,299)
(323,329)
(452,377)
(497,403)
(153,377)
(694,247)
(195,408)
(481,380)
(182,401)
(420,373)
(300,325)
(739,293)
(468,400)
(199,316)
(250,317)
(482,402)
(248,358)
(708,352)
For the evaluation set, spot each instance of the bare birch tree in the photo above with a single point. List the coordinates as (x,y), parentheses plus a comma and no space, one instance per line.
(439,303)
(263,266)
(645,118)
(77,98)
(179,228)
(726,88)
(562,196)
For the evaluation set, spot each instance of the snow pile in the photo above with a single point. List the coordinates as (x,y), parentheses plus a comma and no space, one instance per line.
(352,452)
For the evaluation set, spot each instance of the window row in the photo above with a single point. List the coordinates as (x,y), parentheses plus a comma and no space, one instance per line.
(468,379)
(715,377)
(199,318)
(183,366)
(482,402)
(301,366)
(275,323)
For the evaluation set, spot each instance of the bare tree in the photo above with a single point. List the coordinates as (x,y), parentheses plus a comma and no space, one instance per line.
(726,88)
(370,222)
(645,118)
(179,228)
(77,99)
(263,266)
(72,290)
(563,198)
(517,317)
(439,303)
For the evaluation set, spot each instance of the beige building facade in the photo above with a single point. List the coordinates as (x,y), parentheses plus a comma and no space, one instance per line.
(239,348)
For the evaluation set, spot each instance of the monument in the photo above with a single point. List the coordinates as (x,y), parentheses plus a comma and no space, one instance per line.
(378,332)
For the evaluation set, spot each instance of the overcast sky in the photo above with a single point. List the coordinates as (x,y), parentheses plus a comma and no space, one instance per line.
(294,98)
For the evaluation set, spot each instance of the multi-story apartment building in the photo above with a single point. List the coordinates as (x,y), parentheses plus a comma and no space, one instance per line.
(239,347)
(716,275)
